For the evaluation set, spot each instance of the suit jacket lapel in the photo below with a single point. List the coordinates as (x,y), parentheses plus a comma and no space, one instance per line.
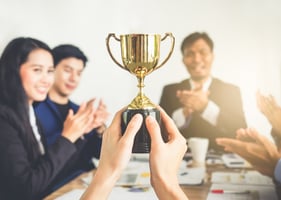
(185,85)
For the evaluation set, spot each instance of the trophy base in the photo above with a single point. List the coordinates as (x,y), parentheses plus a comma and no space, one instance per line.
(142,140)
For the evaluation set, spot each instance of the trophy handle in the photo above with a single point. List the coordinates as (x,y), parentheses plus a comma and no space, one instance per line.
(109,51)
(171,49)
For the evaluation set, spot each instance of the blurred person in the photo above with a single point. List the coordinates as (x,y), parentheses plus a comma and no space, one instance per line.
(272,111)
(257,149)
(117,149)
(70,62)
(202,105)
(29,168)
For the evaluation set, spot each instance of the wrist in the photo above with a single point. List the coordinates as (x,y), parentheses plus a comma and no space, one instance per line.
(100,130)
(101,185)
(276,137)
(108,172)
(108,179)
(70,137)
(164,181)
(167,188)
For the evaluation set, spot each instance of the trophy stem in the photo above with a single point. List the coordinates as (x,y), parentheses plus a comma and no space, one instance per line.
(141,101)
(141,86)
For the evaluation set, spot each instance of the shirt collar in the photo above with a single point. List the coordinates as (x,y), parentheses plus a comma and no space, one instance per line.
(206,84)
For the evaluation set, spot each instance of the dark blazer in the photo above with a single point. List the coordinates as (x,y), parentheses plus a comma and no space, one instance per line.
(226,96)
(23,176)
(51,121)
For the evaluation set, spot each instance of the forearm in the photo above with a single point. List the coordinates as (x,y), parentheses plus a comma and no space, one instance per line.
(168,190)
(100,187)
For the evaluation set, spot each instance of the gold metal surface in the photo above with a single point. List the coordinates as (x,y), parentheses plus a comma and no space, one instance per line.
(140,55)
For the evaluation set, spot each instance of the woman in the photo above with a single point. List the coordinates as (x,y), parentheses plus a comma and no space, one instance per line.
(28,170)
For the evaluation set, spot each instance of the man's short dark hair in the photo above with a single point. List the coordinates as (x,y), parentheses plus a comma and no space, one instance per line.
(67,51)
(190,39)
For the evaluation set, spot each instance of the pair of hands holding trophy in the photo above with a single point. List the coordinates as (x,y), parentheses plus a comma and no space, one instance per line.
(140,131)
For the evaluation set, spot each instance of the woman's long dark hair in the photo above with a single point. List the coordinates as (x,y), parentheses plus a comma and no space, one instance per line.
(12,93)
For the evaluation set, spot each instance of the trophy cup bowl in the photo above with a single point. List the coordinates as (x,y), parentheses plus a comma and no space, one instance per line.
(140,55)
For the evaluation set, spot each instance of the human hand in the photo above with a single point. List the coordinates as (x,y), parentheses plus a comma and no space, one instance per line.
(75,125)
(115,154)
(194,100)
(165,158)
(258,150)
(272,111)
(100,115)
(116,149)
(183,96)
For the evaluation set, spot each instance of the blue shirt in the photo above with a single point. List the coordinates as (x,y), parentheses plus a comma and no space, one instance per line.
(277,172)
(51,121)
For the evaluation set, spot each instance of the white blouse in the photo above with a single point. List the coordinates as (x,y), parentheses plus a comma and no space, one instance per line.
(32,119)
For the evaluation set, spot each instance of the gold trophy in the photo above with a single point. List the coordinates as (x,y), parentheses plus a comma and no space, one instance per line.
(140,55)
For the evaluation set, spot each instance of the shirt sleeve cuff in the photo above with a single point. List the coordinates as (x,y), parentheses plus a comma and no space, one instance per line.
(178,117)
(211,113)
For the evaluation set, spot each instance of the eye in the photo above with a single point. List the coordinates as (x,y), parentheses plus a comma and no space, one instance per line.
(188,54)
(37,69)
(204,52)
(80,73)
(51,70)
(67,70)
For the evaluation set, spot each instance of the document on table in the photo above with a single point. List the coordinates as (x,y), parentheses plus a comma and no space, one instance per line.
(249,177)
(250,185)
(191,176)
(241,192)
(116,194)
(137,173)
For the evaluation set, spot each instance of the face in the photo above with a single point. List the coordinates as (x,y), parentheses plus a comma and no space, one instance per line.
(37,74)
(198,60)
(67,76)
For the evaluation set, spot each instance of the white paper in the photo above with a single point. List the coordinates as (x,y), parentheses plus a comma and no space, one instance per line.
(257,192)
(116,194)
(249,177)
(132,193)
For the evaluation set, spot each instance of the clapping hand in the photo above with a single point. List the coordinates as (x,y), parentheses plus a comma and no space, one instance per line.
(255,148)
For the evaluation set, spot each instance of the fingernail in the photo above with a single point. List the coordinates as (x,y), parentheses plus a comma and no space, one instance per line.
(150,119)
(137,117)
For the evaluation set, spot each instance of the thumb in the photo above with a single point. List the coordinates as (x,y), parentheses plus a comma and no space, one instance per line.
(70,113)
(133,127)
(154,130)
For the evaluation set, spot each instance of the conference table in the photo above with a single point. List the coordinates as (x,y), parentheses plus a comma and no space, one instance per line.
(194,192)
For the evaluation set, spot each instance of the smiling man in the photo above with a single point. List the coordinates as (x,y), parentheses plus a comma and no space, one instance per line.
(202,105)
(70,62)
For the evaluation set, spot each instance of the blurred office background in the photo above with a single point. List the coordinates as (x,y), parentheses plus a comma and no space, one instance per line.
(246,33)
